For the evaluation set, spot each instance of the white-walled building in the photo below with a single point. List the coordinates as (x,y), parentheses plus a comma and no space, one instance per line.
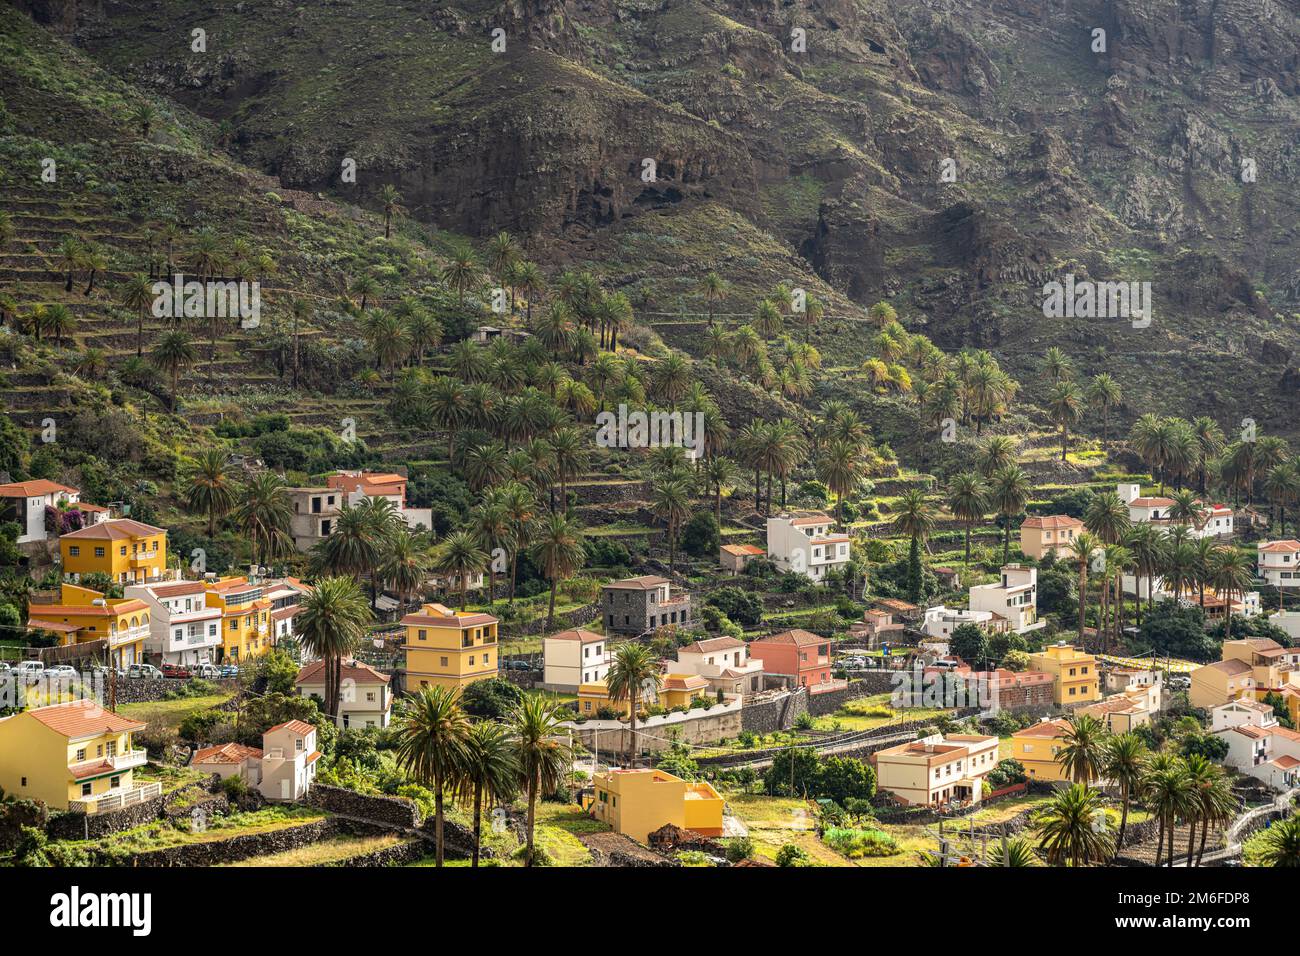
(282,770)
(24,502)
(1014,596)
(183,628)
(724,662)
(805,542)
(573,658)
(1257,745)
(316,509)
(1213,521)
(941,621)
(365,699)
(1278,563)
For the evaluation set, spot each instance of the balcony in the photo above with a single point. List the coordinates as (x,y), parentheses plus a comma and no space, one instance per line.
(116,799)
(129,636)
(130,759)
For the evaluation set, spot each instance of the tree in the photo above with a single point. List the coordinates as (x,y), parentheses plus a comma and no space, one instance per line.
(138,295)
(489,774)
(209,488)
(173,354)
(721,475)
(970,643)
(1016,851)
(70,253)
(558,551)
(840,467)
(391,200)
(432,748)
(331,625)
(459,556)
(881,314)
(1167,792)
(1212,801)
(493,698)
(968,499)
(670,500)
(1009,492)
(700,537)
(1081,550)
(1231,572)
(1104,394)
(1068,830)
(462,270)
(1123,762)
(264,514)
(542,756)
(634,677)
(714,288)
(403,564)
(1083,754)
(1281,843)
(1064,406)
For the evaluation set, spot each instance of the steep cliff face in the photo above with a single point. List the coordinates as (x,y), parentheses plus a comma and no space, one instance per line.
(953,155)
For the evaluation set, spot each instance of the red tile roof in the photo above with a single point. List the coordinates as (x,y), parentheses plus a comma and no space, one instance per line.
(1275,547)
(1052,522)
(226,754)
(83,719)
(352,670)
(580,634)
(294,727)
(40,486)
(796,636)
(713,644)
(642,582)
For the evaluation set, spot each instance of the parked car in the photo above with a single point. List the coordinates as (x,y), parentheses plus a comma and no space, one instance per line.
(143,670)
(100,670)
(205,671)
(176,670)
(228,670)
(517,666)
(30,669)
(59,672)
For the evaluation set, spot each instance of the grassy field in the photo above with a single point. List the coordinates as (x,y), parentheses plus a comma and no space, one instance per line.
(868,713)
(160,834)
(170,713)
(327,851)
(558,826)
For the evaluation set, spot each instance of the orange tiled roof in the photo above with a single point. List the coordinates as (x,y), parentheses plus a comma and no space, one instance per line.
(1052,522)
(116,529)
(226,754)
(83,719)
(40,486)
(352,670)
(294,727)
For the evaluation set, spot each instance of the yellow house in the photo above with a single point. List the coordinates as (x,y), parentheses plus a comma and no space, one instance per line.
(1075,672)
(245,618)
(675,690)
(446,648)
(636,803)
(83,615)
(129,552)
(1037,746)
(1251,667)
(74,756)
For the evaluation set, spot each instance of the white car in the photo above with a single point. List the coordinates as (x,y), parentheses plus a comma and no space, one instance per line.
(59,672)
(143,670)
(205,671)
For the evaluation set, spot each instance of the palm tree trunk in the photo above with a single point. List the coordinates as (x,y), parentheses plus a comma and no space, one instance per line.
(478,823)
(532,818)
(437,817)
(1205,826)
(139,333)
(514,573)
(1160,839)
(550,611)
(1191,842)
(1123,820)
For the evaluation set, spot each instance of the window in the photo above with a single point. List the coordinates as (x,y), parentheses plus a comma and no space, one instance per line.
(81,755)
(85,789)
(442,661)
(99,552)
(74,551)
(115,782)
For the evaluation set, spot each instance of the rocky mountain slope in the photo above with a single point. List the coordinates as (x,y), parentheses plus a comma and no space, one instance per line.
(781,154)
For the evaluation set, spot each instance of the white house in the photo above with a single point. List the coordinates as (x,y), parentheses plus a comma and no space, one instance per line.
(1278,562)
(282,770)
(573,658)
(1257,744)
(24,502)
(724,662)
(286,597)
(365,699)
(805,542)
(183,629)
(1214,519)
(941,621)
(1014,596)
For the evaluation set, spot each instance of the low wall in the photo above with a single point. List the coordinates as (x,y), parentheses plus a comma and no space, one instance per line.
(214,852)
(146,690)
(698,726)
(91,826)
(397,855)
(385,811)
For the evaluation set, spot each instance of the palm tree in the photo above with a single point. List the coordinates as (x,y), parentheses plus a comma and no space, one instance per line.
(1009,493)
(1104,394)
(559,552)
(1212,801)
(1123,762)
(1057,365)
(71,253)
(914,515)
(391,200)
(1107,517)
(462,270)
(459,555)
(968,500)
(1231,573)
(144,116)
(355,546)
(881,314)
(542,755)
(714,288)
(1068,830)
(173,354)
(138,295)
(634,677)
(264,514)
(1209,441)
(1084,750)
(362,288)
(489,775)
(403,565)
(1064,406)
(91,363)
(59,322)
(840,466)
(1167,791)
(332,623)
(1016,851)
(996,453)
(531,283)
(571,451)
(720,473)
(491,524)
(1281,843)
(671,502)
(209,487)
(94,262)
(432,744)
(1081,550)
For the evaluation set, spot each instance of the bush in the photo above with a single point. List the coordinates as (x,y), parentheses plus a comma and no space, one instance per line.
(739,848)
(856,844)
(1007,773)
(792,855)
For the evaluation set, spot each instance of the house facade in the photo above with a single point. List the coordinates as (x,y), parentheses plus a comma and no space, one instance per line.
(1013,596)
(1041,535)
(76,756)
(1077,677)
(365,698)
(24,502)
(805,542)
(245,618)
(638,605)
(1278,562)
(636,803)
(183,627)
(83,615)
(572,658)
(734,557)
(796,658)
(129,552)
(282,771)
(936,770)
(725,663)
(1037,746)
(446,648)
(316,509)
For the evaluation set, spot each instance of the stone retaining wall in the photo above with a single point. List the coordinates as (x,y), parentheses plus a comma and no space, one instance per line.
(399,854)
(232,850)
(384,811)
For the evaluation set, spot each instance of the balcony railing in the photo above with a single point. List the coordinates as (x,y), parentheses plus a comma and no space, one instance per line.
(131,758)
(116,799)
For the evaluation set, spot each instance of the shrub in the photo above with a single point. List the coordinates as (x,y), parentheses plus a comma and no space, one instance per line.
(739,848)
(792,855)
(856,844)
